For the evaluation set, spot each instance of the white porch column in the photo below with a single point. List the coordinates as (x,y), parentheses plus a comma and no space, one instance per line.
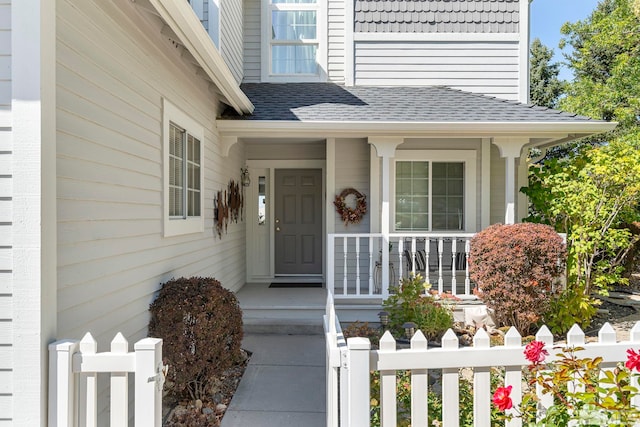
(386,148)
(510,149)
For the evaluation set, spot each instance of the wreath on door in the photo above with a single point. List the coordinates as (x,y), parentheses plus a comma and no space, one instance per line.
(351,215)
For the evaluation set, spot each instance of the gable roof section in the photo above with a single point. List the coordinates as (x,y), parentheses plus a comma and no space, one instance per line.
(328,102)
(326,110)
(442,16)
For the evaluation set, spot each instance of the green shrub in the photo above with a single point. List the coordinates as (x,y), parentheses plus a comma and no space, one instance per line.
(567,308)
(409,303)
(200,323)
(515,268)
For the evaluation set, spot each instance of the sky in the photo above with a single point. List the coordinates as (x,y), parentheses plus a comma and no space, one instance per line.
(547,16)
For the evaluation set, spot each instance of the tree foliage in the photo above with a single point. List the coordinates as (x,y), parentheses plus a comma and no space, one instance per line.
(590,197)
(545,86)
(606,64)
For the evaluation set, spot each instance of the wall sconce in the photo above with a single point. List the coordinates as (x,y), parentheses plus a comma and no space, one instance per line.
(245,179)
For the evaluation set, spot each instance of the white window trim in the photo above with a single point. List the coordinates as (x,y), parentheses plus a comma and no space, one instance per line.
(321,37)
(468,157)
(178,226)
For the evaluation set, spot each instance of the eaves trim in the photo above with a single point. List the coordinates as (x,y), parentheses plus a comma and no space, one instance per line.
(179,16)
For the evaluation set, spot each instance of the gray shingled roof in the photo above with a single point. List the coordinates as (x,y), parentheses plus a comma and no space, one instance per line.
(442,16)
(334,103)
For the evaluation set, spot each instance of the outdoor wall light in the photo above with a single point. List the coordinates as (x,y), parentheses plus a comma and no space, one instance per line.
(384,319)
(409,329)
(245,179)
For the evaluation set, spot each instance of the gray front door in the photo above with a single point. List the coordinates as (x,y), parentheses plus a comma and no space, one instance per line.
(298,221)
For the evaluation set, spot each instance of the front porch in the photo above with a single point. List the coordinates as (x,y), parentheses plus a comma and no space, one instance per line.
(360,280)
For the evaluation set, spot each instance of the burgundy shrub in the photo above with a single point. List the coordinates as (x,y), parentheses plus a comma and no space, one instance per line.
(200,323)
(515,268)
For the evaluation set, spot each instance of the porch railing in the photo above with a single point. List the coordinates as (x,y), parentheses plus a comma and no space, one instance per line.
(356,268)
(351,362)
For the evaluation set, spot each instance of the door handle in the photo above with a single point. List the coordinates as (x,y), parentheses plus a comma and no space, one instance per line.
(277,228)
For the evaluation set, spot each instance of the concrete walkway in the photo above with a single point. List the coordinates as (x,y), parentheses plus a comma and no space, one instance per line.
(284,384)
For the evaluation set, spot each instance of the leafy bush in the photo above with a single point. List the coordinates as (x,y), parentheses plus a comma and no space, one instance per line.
(567,308)
(363,330)
(200,323)
(409,303)
(516,267)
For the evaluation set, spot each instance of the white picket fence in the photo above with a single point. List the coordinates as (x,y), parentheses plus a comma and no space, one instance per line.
(350,362)
(73,372)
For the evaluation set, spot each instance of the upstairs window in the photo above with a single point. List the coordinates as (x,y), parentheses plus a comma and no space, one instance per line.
(294,48)
(183,172)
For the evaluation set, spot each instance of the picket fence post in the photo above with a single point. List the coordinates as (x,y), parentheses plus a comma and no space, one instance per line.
(62,383)
(149,379)
(358,379)
(88,387)
(119,385)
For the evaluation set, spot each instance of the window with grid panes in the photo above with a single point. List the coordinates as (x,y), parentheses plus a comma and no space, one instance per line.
(183,172)
(429,196)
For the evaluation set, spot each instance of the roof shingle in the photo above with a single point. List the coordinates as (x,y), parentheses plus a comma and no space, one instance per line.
(334,103)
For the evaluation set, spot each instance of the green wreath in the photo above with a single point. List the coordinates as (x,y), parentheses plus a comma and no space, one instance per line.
(351,215)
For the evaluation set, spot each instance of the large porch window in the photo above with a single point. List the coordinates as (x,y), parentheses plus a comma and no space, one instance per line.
(432,191)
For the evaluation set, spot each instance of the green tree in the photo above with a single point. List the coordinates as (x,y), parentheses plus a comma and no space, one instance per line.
(545,86)
(606,64)
(590,197)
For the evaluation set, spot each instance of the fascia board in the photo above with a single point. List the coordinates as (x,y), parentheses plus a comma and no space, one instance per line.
(179,16)
(257,128)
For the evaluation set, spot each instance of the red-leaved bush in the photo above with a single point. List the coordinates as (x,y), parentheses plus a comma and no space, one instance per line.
(515,268)
(200,323)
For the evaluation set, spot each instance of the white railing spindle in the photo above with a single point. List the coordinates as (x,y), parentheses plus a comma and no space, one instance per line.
(440,250)
(454,256)
(467,281)
(357,265)
(371,262)
(344,267)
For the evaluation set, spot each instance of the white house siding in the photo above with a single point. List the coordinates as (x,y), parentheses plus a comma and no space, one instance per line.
(497,186)
(489,68)
(6,193)
(252,41)
(286,151)
(352,171)
(231,29)
(114,68)
(336,40)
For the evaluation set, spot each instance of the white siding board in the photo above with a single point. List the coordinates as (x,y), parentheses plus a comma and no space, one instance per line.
(6,262)
(252,42)
(5,237)
(6,284)
(6,211)
(5,330)
(112,256)
(6,382)
(489,68)
(6,141)
(335,41)
(231,34)
(6,409)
